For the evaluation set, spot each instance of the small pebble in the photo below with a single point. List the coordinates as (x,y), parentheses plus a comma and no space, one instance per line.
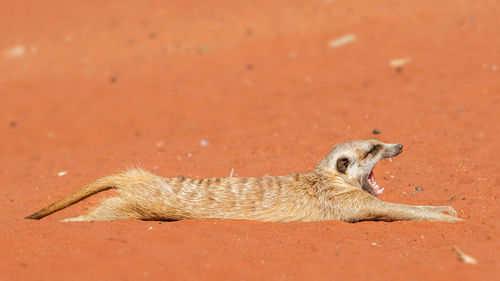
(419,188)
(182,177)
(62,173)
(150,228)
(204,143)
(452,198)
(113,79)
(16,52)
(376,131)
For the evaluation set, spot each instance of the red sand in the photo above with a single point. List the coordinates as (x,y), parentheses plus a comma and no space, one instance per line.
(92,87)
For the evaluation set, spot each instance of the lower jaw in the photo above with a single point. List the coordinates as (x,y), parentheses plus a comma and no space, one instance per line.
(370,190)
(367,188)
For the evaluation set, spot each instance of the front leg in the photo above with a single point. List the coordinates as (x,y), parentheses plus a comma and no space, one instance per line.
(366,207)
(442,209)
(392,212)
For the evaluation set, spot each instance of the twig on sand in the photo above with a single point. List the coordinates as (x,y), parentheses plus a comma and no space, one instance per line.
(342,41)
(464,257)
(399,62)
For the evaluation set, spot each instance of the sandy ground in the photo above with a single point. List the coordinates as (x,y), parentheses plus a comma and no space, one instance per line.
(88,88)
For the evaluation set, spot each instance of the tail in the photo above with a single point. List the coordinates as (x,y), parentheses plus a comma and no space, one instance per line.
(86,191)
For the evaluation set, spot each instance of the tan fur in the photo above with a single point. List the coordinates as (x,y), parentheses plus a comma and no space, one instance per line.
(323,194)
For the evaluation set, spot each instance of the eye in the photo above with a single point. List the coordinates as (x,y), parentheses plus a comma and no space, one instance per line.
(373,150)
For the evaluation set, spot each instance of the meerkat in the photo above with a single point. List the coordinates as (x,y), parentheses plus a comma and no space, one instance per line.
(341,187)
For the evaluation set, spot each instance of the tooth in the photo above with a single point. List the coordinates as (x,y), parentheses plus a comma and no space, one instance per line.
(380,191)
(390,159)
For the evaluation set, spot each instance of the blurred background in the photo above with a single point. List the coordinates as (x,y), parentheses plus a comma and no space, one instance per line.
(200,88)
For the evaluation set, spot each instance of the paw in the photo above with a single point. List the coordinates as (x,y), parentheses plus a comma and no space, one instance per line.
(443,209)
(453,219)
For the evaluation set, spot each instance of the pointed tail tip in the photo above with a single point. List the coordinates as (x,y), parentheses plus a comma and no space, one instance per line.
(33,217)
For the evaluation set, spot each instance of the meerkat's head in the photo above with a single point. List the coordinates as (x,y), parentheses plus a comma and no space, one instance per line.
(355,160)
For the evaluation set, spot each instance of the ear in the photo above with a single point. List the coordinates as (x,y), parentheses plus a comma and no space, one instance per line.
(342,164)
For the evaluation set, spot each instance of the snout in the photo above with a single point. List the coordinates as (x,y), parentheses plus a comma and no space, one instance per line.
(392,150)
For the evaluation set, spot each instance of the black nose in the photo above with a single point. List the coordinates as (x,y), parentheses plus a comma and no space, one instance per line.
(399,146)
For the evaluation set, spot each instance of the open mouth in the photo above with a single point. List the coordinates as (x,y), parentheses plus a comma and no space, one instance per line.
(368,183)
(371,186)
